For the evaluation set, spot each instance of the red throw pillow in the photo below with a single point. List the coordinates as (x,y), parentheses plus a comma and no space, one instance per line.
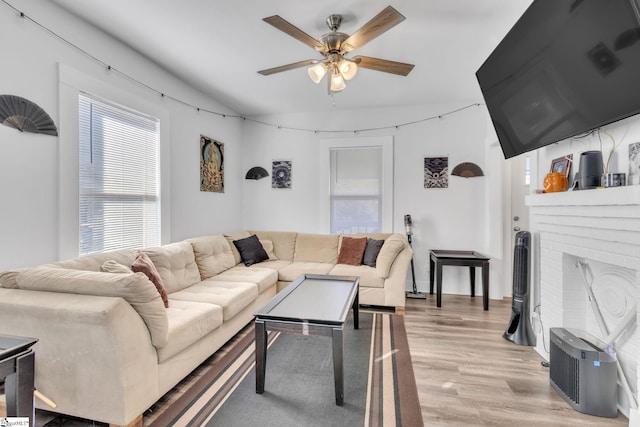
(352,250)
(143,264)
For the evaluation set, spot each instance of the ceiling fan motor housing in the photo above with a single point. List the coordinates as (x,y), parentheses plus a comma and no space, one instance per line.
(333,41)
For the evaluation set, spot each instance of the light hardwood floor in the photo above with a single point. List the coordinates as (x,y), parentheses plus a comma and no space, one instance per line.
(468,375)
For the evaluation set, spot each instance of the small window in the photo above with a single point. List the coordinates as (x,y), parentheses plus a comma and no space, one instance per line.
(119,177)
(356,190)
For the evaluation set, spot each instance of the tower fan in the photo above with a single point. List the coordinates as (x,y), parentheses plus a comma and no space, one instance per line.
(519,330)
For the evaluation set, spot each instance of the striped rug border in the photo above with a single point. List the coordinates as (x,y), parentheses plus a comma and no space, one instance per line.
(392,395)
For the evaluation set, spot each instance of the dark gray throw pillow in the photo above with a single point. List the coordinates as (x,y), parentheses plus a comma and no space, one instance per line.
(371,252)
(251,250)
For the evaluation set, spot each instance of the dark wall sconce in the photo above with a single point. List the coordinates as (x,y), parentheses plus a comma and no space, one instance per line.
(467,170)
(256,172)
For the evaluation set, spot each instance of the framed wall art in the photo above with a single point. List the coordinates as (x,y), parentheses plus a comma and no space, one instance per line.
(634,163)
(281,174)
(436,172)
(562,165)
(211,165)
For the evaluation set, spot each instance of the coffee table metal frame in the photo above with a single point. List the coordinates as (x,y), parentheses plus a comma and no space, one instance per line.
(312,305)
(17,361)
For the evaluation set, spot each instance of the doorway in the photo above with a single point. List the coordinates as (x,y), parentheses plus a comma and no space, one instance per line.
(518,218)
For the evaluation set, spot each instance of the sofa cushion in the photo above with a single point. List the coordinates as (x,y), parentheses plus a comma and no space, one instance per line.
(8,278)
(263,277)
(276,264)
(236,236)
(250,250)
(371,252)
(135,288)
(213,255)
(143,264)
(393,245)
(284,242)
(189,322)
(369,277)
(111,266)
(231,296)
(268,248)
(176,264)
(321,248)
(93,262)
(351,250)
(297,269)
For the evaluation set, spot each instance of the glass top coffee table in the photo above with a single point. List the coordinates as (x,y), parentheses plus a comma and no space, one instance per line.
(311,305)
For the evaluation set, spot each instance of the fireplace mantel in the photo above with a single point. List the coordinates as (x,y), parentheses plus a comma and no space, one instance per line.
(629,195)
(599,227)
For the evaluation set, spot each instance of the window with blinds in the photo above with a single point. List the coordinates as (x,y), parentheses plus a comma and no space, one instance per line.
(119,177)
(356,190)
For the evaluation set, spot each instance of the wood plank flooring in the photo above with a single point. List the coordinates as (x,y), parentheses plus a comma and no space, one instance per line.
(468,375)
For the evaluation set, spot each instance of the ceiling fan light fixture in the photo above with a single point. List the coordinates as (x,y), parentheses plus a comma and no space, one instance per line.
(337,82)
(348,69)
(317,72)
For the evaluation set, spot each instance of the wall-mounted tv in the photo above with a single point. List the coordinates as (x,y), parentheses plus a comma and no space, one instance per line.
(565,68)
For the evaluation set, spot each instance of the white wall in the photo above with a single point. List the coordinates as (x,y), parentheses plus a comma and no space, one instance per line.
(452,218)
(624,132)
(33,205)
(30,165)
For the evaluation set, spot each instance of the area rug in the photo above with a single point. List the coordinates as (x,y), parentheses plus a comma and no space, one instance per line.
(379,383)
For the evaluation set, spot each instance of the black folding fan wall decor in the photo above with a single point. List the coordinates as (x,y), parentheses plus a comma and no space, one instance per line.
(467,170)
(26,116)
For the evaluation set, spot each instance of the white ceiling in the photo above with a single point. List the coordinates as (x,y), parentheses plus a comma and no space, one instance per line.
(218,47)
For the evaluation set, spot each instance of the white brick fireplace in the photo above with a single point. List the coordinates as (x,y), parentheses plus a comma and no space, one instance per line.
(590,236)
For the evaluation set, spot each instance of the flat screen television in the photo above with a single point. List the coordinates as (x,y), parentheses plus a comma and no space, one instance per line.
(565,68)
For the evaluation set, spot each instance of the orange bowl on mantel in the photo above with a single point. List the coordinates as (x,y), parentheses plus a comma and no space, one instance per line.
(554,182)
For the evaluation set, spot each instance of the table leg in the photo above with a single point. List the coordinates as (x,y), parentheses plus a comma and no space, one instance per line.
(438,284)
(472,279)
(19,388)
(356,311)
(431,272)
(485,285)
(261,355)
(338,367)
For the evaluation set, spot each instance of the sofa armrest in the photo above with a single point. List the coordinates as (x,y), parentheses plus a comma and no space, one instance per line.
(395,284)
(85,343)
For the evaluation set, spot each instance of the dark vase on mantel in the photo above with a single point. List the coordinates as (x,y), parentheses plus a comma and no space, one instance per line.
(590,172)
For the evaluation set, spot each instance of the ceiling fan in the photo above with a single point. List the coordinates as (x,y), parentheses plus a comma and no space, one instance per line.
(335,45)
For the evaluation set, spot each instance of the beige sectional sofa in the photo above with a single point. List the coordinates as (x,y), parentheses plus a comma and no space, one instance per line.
(109,348)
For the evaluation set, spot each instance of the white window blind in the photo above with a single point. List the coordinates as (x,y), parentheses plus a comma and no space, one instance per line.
(119,177)
(356,190)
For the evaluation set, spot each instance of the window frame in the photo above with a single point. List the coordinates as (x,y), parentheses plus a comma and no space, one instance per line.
(105,197)
(71,83)
(384,142)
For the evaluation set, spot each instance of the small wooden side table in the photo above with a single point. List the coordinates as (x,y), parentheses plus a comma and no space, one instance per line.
(471,259)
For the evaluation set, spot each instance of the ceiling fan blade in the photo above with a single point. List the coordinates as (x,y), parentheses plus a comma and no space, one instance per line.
(384,65)
(380,23)
(295,32)
(288,67)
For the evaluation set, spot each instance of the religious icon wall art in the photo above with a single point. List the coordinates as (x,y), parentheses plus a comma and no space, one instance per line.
(211,165)
(436,172)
